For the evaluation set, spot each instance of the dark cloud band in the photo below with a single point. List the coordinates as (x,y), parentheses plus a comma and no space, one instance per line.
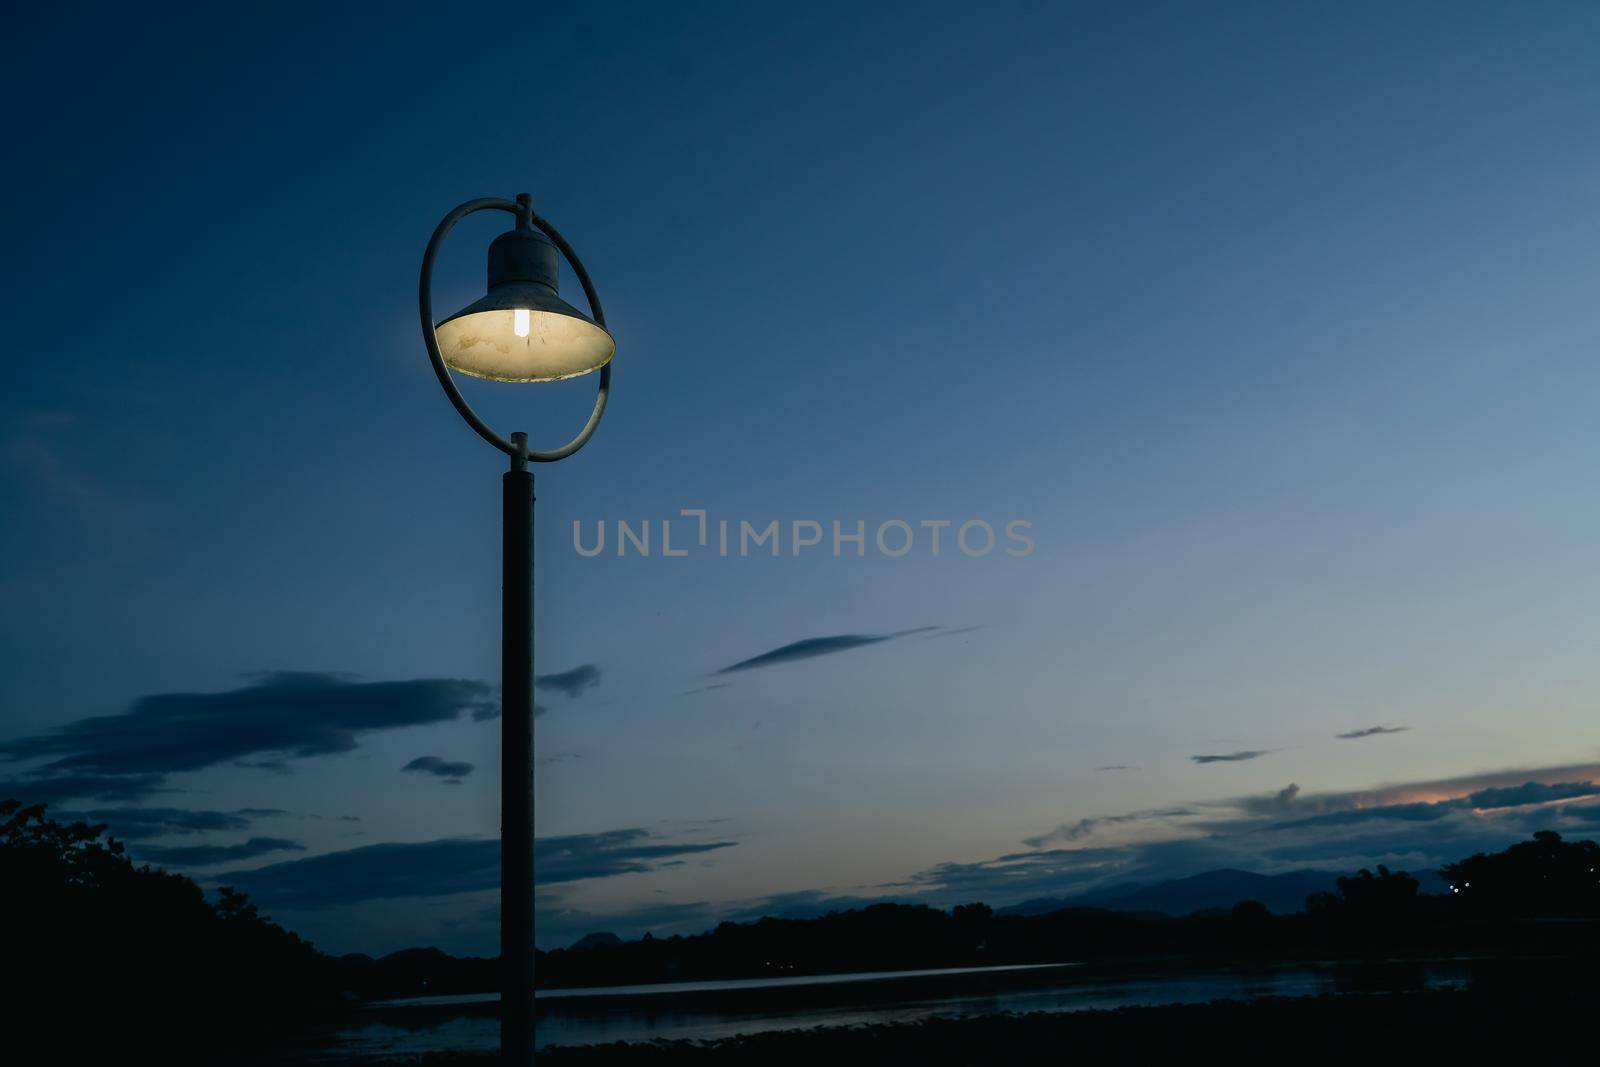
(288,713)
(812,647)
(572,683)
(1234,757)
(439,768)
(214,855)
(454,865)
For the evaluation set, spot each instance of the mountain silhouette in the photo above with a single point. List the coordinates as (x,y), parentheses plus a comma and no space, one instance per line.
(1216,890)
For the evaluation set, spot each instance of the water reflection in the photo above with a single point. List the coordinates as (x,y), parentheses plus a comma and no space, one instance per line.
(711,1010)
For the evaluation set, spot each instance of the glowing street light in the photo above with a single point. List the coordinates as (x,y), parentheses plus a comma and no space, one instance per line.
(521,331)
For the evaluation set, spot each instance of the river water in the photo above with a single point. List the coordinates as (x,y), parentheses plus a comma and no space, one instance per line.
(709,1010)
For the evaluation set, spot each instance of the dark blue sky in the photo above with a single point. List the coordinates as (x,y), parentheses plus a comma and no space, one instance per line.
(1275,321)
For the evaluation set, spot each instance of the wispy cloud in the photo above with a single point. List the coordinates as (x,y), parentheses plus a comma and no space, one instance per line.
(1293,799)
(572,683)
(1017,876)
(1490,799)
(51,787)
(1284,799)
(275,766)
(1234,757)
(214,855)
(445,867)
(704,689)
(136,824)
(451,771)
(614,852)
(1076,831)
(956,632)
(1372,731)
(812,647)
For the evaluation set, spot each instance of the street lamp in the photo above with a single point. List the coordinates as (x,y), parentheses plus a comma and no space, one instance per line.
(521,331)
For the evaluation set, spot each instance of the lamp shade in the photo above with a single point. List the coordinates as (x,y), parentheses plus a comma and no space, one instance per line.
(522,331)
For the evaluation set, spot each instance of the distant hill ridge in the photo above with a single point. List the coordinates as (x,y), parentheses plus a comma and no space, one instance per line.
(1214,890)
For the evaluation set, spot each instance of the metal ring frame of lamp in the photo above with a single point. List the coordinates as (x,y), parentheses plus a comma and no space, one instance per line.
(517,448)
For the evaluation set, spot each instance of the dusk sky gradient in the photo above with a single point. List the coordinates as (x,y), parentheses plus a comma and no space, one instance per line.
(1276,322)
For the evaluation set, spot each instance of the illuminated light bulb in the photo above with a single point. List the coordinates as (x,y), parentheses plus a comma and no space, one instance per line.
(519,322)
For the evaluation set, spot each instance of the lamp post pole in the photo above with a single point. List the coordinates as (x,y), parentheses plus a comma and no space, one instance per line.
(516,761)
(522,331)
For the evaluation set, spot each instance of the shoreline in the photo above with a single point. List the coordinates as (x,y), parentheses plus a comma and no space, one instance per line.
(717,987)
(1375,1025)
(900,1009)
(872,986)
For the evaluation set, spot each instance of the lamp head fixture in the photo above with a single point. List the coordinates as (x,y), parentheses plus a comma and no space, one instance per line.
(522,331)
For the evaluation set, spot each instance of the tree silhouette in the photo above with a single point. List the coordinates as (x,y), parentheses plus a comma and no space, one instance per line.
(91,936)
(1323,903)
(1390,893)
(1251,911)
(1540,878)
